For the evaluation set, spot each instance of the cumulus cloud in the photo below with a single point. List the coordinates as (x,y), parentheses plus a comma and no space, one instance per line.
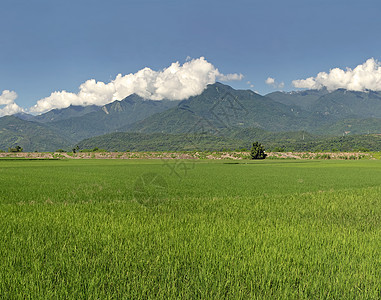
(177,82)
(366,76)
(7,103)
(271,81)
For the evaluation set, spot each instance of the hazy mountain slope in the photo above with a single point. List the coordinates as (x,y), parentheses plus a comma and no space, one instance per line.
(24,116)
(337,105)
(66,113)
(31,136)
(342,104)
(220,106)
(110,117)
(303,99)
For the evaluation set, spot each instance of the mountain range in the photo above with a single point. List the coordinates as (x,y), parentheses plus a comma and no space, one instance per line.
(219,113)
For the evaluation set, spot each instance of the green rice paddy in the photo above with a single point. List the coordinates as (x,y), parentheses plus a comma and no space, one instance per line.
(148,229)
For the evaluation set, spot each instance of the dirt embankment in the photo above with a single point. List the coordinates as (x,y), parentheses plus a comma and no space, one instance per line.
(185,155)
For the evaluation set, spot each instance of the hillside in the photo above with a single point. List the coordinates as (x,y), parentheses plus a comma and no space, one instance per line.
(125,141)
(109,118)
(342,104)
(349,143)
(31,136)
(225,139)
(220,106)
(72,111)
(231,139)
(346,112)
(234,115)
(352,127)
(303,99)
(237,139)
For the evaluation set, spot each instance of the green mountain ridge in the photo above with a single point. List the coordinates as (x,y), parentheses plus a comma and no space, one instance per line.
(66,113)
(221,107)
(221,111)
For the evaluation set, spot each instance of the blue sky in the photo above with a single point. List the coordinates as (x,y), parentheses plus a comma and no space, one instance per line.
(49,46)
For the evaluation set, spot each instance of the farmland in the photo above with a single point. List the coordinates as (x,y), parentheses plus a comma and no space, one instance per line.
(132,229)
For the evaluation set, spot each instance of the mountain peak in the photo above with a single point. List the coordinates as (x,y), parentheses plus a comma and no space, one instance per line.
(218,85)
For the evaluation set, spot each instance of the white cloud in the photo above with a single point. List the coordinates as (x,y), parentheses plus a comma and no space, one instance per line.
(230,77)
(7,103)
(7,97)
(364,77)
(176,82)
(271,81)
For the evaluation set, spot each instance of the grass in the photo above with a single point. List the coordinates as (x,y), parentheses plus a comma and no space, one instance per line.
(210,229)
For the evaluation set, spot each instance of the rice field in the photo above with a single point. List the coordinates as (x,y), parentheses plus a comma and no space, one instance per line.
(153,229)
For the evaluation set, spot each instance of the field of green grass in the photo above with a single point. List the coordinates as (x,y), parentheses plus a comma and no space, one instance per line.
(114,229)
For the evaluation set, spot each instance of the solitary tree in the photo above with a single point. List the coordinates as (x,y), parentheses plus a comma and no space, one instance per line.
(257,151)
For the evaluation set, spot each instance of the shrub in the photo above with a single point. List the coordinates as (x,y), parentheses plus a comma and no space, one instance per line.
(278,149)
(16,149)
(257,151)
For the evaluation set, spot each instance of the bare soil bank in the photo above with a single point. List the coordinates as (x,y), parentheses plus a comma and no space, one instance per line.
(188,155)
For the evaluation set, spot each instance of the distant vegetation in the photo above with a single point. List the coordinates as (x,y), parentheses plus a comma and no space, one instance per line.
(30,136)
(15,149)
(96,149)
(279,142)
